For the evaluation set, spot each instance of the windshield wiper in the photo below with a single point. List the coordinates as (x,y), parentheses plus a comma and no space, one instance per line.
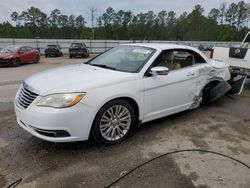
(104,66)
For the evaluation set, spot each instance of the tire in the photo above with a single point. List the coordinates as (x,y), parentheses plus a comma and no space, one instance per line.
(107,129)
(37,59)
(46,56)
(15,62)
(70,56)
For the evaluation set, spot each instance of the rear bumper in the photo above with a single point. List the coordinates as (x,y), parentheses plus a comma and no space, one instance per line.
(52,53)
(240,71)
(76,53)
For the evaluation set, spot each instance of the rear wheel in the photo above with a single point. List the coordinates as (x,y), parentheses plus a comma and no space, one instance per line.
(37,59)
(70,56)
(15,62)
(114,122)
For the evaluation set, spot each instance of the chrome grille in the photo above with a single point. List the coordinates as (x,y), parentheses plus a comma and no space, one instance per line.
(25,97)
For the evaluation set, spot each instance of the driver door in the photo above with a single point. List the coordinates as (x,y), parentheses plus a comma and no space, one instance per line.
(168,94)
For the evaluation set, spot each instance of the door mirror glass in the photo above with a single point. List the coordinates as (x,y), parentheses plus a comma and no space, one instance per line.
(159,70)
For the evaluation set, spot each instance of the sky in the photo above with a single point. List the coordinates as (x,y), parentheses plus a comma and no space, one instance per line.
(82,7)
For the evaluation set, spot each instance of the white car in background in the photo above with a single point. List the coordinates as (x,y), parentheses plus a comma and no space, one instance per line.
(118,90)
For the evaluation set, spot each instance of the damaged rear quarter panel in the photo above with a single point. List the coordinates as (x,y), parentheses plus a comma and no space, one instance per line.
(206,73)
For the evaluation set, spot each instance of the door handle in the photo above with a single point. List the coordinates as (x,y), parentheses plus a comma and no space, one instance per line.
(190,74)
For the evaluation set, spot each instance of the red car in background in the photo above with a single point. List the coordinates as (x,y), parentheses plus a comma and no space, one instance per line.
(16,55)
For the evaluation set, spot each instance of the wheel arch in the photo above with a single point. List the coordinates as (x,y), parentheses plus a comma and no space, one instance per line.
(208,87)
(129,99)
(19,59)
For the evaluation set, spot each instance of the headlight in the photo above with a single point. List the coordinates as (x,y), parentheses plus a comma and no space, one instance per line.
(63,100)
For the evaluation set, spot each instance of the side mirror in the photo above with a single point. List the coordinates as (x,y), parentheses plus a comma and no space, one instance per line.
(159,70)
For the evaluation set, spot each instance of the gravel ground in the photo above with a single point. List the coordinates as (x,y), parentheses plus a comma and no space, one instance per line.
(222,127)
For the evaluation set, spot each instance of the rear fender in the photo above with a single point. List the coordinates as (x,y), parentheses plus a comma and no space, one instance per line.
(214,90)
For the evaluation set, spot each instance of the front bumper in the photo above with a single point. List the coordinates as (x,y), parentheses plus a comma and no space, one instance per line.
(5,61)
(57,125)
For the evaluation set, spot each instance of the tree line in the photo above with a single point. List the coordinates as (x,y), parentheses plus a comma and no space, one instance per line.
(226,23)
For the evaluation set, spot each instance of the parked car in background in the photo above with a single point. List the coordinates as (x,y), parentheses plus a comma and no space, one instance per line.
(78,50)
(16,55)
(113,93)
(53,50)
(205,47)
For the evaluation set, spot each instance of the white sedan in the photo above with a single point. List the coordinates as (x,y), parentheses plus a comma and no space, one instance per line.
(118,90)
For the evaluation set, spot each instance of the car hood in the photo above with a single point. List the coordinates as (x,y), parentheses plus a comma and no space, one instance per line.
(6,55)
(75,78)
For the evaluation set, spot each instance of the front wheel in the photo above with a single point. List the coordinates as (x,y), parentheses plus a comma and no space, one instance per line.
(114,122)
(15,62)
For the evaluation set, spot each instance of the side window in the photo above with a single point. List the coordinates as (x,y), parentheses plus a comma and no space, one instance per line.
(23,49)
(183,59)
(29,49)
(177,59)
(247,38)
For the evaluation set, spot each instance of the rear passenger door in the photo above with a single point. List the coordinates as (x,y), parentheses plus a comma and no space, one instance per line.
(23,55)
(31,54)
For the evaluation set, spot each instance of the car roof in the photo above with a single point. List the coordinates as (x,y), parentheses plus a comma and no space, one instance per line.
(161,46)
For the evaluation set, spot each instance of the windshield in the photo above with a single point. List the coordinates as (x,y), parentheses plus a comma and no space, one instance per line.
(10,49)
(76,45)
(52,46)
(124,58)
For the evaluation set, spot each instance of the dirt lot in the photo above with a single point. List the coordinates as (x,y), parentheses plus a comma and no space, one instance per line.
(222,127)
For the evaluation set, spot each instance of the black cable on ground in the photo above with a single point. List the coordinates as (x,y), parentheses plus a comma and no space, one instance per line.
(14,184)
(173,152)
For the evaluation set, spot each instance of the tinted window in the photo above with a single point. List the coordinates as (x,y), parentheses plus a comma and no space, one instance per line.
(22,49)
(29,48)
(76,45)
(52,46)
(247,38)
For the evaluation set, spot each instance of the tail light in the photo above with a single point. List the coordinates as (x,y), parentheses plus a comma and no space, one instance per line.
(211,54)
